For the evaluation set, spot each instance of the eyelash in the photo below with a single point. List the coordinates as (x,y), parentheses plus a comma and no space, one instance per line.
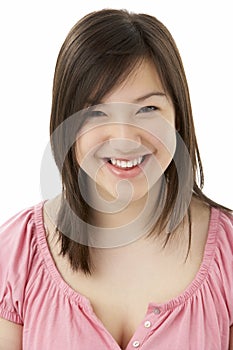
(95,114)
(147,109)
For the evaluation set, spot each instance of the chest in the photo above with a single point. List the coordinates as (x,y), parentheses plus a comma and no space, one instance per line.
(121,305)
(120,295)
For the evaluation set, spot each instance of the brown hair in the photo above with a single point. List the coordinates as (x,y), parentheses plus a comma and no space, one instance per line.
(99,52)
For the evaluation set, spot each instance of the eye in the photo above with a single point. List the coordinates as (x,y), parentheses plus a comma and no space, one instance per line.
(147,109)
(92,114)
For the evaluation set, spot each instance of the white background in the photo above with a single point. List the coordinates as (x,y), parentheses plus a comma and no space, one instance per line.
(31,35)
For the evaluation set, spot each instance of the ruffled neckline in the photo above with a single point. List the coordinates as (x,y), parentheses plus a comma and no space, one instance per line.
(191,289)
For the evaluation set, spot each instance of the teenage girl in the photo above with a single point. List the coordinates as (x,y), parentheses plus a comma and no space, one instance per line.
(131,254)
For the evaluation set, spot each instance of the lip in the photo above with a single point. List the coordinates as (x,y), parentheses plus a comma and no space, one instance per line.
(125,173)
(128,158)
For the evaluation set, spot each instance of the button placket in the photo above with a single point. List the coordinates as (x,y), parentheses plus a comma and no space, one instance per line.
(146,327)
(145,330)
(147,324)
(136,344)
(157,311)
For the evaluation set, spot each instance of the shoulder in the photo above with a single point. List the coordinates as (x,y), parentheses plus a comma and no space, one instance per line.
(18,244)
(226,221)
(15,231)
(217,250)
(221,229)
(18,238)
(212,218)
(223,222)
(211,229)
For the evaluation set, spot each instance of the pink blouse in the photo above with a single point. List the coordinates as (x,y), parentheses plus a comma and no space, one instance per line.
(55,317)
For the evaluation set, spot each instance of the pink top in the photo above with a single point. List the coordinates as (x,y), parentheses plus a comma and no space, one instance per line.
(55,317)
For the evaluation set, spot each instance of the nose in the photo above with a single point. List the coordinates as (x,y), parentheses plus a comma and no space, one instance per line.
(125,138)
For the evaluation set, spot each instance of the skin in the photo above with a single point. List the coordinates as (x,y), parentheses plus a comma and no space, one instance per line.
(136,118)
(114,266)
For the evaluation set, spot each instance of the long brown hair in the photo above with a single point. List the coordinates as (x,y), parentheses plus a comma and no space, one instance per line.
(100,51)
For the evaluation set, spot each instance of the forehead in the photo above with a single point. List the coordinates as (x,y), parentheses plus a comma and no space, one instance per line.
(143,80)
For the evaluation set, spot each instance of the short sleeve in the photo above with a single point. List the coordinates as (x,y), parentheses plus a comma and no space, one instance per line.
(15,259)
(224,255)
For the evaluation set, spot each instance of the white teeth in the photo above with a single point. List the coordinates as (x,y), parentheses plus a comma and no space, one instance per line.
(126,164)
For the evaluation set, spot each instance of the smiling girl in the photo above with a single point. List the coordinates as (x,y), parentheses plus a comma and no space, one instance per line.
(131,254)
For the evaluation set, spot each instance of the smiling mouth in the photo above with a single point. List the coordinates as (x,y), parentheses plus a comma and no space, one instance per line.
(126,164)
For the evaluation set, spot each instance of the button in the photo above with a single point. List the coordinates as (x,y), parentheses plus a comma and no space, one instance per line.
(157,311)
(136,344)
(147,324)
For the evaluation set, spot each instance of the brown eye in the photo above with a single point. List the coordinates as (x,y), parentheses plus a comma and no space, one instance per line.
(92,114)
(147,109)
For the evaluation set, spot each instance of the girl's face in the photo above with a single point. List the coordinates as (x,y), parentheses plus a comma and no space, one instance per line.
(130,136)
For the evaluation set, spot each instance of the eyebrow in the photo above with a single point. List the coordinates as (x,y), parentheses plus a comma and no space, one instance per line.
(144,97)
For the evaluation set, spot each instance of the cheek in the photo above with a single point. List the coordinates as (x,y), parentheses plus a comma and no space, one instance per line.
(79,151)
(85,144)
(164,143)
(164,156)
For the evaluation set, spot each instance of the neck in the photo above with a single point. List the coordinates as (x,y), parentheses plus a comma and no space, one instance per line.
(116,228)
